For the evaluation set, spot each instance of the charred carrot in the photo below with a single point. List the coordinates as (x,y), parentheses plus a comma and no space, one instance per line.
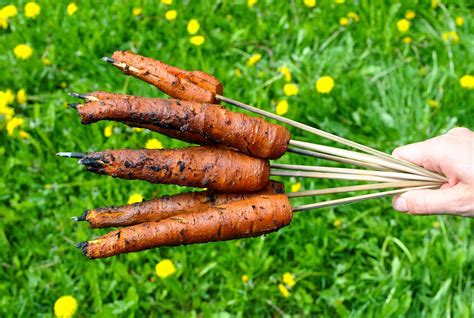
(167,206)
(239,219)
(250,135)
(203,167)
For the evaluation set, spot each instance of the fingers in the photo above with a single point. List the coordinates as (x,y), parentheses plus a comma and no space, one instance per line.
(427,202)
(427,154)
(460,131)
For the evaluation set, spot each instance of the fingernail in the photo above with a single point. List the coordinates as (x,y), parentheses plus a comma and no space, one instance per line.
(400,204)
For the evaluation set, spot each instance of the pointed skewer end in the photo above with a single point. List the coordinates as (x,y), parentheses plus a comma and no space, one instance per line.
(70,154)
(108,60)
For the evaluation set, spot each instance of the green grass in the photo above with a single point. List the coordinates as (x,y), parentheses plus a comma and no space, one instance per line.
(377,263)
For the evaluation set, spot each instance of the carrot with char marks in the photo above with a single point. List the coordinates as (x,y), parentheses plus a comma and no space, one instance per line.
(239,219)
(203,167)
(173,133)
(168,206)
(186,85)
(250,135)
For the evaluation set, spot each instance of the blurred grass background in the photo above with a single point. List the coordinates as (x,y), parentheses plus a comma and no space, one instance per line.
(360,260)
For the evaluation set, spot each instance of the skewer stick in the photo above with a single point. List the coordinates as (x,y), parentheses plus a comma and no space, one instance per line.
(358,198)
(321,155)
(363,187)
(358,156)
(307,128)
(332,137)
(388,174)
(71,155)
(336,176)
(85,97)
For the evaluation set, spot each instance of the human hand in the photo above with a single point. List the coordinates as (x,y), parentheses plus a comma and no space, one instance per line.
(452,155)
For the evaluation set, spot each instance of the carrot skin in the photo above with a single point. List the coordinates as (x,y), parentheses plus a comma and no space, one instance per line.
(204,167)
(239,219)
(167,206)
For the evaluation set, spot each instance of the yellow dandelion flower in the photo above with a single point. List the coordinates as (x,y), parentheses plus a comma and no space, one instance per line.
(65,307)
(6,111)
(229,17)
(14,123)
(46,61)
(251,3)
(9,11)
(403,25)
(237,72)
(285,71)
(167,2)
(137,129)
(283,290)
(343,21)
(433,103)
(450,36)
(71,8)
(353,16)
(32,10)
(21,96)
(467,81)
(290,89)
(197,40)
(153,143)
(295,187)
(289,279)
(23,51)
(3,21)
(434,4)
(282,107)
(254,59)
(8,96)
(165,268)
(407,40)
(325,84)
(339,1)
(436,225)
(459,21)
(170,15)
(310,3)
(337,223)
(137,11)
(245,278)
(193,26)
(24,135)
(108,130)
(410,14)
(135,198)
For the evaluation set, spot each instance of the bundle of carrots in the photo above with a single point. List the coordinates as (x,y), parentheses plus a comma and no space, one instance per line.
(231,161)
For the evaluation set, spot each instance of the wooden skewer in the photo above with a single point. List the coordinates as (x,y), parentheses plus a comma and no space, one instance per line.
(387,174)
(307,128)
(358,198)
(323,175)
(332,137)
(358,156)
(321,155)
(363,187)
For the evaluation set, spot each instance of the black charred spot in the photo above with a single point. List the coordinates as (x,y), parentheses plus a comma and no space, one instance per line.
(253,207)
(228,122)
(128,164)
(182,165)
(155,168)
(184,127)
(205,182)
(212,197)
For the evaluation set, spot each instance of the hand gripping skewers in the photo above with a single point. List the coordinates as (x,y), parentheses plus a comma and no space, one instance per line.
(241,200)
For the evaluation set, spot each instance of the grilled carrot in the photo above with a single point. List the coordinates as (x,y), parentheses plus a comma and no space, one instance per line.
(204,167)
(186,85)
(239,219)
(250,135)
(167,206)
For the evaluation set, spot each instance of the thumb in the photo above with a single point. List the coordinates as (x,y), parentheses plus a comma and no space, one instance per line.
(427,201)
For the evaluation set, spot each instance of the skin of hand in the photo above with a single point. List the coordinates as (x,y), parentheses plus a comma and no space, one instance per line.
(451,155)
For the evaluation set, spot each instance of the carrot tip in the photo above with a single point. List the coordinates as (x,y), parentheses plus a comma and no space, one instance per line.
(77,95)
(83,247)
(73,105)
(108,60)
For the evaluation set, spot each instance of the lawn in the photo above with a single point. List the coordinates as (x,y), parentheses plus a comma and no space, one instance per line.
(362,260)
